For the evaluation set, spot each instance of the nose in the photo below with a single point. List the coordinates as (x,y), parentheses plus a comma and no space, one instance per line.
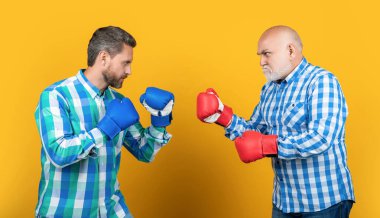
(263,60)
(128,70)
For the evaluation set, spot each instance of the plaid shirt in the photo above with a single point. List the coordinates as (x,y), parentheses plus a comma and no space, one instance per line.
(308,112)
(79,165)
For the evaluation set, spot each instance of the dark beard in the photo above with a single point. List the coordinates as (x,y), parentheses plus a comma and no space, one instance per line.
(111,80)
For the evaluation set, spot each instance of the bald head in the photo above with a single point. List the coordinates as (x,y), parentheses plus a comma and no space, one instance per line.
(284,34)
(280,50)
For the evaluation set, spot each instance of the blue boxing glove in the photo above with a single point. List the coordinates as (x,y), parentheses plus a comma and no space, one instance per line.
(120,114)
(160,104)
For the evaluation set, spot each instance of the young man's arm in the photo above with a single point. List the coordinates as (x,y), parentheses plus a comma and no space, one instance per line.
(144,143)
(61,145)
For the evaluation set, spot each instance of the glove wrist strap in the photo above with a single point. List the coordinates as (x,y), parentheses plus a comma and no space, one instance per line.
(225,117)
(269,143)
(161,121)
(109,127)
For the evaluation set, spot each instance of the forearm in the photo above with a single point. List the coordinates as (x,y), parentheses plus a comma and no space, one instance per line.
(144,143)
(239,125)
(319,137)
(64,149)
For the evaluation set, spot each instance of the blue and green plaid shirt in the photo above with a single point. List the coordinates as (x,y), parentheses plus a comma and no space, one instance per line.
(79,165)
(308,112)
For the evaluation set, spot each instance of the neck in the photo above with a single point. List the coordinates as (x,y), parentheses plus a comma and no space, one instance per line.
(292,66)
(96,78)
(295,63)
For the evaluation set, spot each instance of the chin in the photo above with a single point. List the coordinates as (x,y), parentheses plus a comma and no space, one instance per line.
(117,86)
(272,77)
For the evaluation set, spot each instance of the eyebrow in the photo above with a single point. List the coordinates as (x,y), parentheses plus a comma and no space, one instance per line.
(259,53)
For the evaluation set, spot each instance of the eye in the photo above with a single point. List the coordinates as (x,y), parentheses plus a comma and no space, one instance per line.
(266,54)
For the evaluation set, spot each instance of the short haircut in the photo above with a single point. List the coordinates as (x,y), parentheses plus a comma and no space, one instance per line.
(110,39)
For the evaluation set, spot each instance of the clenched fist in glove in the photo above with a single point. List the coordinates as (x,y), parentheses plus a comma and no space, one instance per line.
(211,110)
(252,146)
(120,114)
(160,104)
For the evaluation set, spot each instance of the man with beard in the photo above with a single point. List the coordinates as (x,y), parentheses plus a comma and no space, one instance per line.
(300,123)
(83,124)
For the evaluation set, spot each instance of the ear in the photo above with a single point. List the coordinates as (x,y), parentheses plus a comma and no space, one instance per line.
(104,58)
(292,51)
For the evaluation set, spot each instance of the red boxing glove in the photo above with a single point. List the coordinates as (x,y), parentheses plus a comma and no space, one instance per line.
(252,146)
(211,110)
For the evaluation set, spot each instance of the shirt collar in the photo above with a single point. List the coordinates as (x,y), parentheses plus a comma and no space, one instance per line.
(92,89)
(296,72)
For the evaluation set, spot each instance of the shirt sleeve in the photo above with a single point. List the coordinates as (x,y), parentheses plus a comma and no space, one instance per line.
(239,125)
(327,113)
(61,145)
(144,143)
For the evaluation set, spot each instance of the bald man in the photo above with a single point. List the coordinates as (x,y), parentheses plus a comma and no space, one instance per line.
(299,123)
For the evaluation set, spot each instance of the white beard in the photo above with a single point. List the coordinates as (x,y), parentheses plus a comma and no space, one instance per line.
(276,75)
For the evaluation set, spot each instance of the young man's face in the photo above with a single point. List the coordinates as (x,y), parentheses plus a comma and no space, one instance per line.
(119,67)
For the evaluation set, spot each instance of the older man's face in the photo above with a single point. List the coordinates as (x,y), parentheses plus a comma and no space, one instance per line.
(274,57)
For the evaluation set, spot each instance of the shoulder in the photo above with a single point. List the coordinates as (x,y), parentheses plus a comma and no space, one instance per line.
(62,84)
(323,80)
(56,91)
(321,75)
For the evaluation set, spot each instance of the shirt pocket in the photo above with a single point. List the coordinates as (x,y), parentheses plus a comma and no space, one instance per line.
(294,115)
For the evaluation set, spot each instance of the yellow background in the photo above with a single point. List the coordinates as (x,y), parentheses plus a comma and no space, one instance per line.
(185,47)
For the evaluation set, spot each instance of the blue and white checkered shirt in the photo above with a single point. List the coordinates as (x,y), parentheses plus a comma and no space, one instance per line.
(308,112)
